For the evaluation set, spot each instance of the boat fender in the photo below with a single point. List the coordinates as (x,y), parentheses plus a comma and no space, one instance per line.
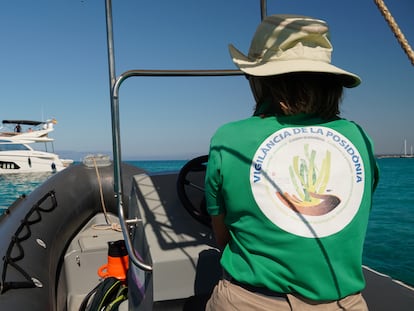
(107,295)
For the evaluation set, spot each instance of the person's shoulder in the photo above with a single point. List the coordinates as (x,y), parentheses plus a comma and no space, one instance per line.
(237,125)
(344,122)
(351,123)
(350,126)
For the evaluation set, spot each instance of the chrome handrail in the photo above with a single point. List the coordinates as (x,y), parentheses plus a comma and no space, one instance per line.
(116,138)
(172,73)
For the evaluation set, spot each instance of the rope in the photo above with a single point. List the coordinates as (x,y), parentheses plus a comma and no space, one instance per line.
(109,225)
(395,29)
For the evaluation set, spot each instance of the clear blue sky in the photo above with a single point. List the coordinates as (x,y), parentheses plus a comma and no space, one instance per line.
(54,64)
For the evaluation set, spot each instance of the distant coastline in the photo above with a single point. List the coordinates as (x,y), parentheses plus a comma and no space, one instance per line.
(381,156)
(78,156)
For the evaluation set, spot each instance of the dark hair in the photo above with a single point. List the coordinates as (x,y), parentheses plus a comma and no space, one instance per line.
(311,93)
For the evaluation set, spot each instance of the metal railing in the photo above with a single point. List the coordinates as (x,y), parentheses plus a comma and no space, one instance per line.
(115,84)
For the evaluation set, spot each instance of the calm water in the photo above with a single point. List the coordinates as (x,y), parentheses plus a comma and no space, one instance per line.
(389,246)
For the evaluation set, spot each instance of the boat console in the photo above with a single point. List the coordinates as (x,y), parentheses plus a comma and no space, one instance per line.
(181,251)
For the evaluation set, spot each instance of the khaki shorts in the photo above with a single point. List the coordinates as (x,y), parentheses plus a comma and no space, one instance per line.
(228,296)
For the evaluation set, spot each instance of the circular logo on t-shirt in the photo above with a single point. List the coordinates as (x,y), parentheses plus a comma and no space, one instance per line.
(309,181)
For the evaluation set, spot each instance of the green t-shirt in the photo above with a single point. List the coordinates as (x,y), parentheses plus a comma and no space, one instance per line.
(296,192)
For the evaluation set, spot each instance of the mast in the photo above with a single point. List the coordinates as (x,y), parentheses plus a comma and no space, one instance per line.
(116,144)
(405,147)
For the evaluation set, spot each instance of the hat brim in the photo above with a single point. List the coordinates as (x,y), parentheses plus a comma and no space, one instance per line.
(273,68)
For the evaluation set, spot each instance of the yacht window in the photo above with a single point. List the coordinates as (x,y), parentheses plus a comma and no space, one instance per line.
(7,147)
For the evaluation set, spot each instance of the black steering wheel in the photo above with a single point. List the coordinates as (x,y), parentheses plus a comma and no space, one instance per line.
(190,188)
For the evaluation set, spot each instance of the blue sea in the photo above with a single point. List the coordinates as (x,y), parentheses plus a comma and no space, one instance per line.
(389,246)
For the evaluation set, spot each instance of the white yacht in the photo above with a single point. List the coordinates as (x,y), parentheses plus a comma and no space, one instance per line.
(16,153)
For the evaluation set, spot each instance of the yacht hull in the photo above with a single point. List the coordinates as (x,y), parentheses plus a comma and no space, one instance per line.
(29,162)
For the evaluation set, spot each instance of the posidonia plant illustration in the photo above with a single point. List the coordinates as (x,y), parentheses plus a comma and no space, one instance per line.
(307,178)
(310,182)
